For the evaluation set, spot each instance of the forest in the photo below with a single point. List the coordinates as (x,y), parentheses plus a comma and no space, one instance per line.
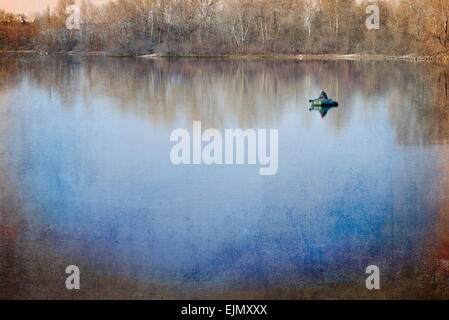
(233,27)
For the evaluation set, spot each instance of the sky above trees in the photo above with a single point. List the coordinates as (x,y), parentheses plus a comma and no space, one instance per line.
(25,6)
(30,6)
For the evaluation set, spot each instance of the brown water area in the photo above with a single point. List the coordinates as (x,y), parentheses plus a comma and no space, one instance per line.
(86,179)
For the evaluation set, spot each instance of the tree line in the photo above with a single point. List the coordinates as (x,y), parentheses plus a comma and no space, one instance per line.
(217,27)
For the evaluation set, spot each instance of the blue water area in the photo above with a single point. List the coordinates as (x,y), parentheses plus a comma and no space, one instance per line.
(86,144)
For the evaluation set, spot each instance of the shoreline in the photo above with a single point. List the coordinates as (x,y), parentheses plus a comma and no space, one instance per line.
(300,57)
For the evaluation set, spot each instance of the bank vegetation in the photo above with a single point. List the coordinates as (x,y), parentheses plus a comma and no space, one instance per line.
(234,27)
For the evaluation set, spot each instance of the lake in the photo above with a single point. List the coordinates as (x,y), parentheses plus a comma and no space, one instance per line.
(86,179)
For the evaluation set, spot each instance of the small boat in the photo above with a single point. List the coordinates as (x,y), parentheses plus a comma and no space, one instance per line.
(323,103)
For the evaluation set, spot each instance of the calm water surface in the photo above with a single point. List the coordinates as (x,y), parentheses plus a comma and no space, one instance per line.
(87,179)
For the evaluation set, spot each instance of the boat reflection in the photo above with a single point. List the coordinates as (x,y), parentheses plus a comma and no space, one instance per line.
(322,110)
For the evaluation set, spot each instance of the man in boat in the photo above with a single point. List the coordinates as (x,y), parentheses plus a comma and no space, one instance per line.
(323,95)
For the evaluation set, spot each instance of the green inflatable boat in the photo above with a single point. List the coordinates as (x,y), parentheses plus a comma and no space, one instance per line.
(324,103)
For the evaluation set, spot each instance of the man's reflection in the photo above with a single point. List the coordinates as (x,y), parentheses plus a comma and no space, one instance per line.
(322,110)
